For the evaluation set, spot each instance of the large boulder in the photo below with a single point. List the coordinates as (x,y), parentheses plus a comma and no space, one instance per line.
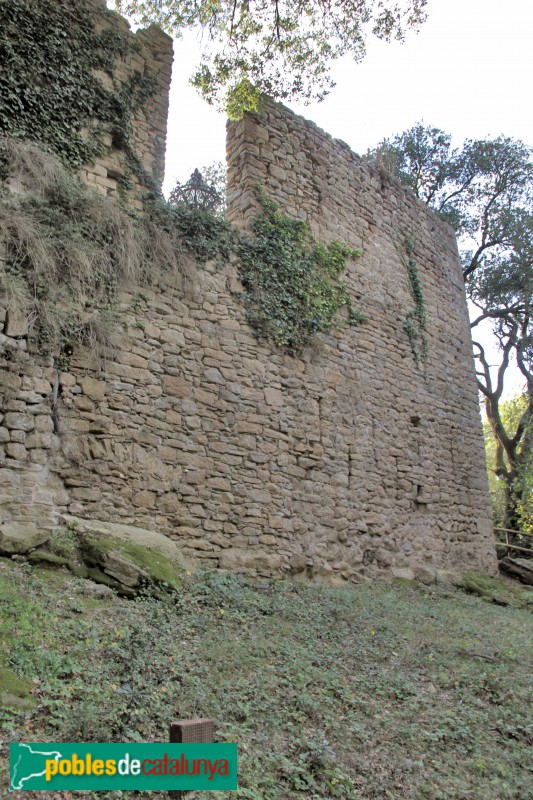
(17,538)
(126,533)
(520,568)
(134,557)
(502,591)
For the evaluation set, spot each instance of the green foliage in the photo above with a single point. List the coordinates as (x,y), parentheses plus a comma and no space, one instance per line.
(415,322)
(51,93)
(241,98)
(69,252)
(419,158)
(292,282)
(215,175)
(482,189)
(282,49)
(511,413)
(205,235)
(370,692)
(63,542)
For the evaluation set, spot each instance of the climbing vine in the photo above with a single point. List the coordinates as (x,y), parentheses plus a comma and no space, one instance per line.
(209,237)
(292,286)
(51,52)
(415,322)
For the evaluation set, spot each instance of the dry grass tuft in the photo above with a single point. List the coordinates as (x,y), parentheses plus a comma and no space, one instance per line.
(385,161)
(65,252)
(167,252)
(30,168)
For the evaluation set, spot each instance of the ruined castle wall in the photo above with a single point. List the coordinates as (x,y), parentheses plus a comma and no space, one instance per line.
(346,462)
(411,436)
(78,82)
(149,56)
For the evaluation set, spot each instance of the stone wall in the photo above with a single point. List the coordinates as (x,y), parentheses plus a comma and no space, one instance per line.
(150,56)
(76,72)
(344,463)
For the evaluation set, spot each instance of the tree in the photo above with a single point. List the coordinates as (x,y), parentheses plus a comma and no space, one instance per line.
(511,413)
(485,191)
(215,175)
(281,48)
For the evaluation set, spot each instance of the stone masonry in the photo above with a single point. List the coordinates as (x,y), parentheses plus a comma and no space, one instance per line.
(343,463)
(150,55)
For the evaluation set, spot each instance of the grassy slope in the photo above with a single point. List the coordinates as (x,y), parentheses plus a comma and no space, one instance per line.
(373,692)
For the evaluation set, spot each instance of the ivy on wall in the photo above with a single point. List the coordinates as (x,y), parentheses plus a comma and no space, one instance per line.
(50,92)
(292,286)
(207,236)
(54,54)
(415,322)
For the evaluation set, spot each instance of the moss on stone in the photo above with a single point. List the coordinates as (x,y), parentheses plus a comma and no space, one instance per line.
(79,570)
(44,558)
(95,549)
(160,568)
(15,691)
(495,590)
(405,582)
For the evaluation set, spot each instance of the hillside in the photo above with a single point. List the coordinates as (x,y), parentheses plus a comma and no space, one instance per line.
(380,691)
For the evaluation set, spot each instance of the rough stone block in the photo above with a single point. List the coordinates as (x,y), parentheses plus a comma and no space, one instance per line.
(144,499)
(93,388)
(16,451)
(19,537)
(177,387)
(17,421)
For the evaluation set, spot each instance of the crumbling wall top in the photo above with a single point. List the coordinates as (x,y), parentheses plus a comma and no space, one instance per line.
(82,85)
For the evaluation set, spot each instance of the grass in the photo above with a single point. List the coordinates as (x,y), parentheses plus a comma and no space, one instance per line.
(381,691)
(69,251)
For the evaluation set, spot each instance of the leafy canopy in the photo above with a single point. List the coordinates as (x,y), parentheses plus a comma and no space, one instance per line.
(511,414)
(277,47)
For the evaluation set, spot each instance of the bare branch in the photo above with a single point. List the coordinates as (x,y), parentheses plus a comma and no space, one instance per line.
(487,387)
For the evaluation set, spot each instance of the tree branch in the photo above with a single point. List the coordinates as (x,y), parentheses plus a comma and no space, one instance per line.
(487,387)
(474,263)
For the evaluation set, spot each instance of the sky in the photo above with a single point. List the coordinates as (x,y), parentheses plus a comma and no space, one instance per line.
(467,71)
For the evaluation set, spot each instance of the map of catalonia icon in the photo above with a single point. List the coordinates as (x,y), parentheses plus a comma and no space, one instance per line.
(158,767)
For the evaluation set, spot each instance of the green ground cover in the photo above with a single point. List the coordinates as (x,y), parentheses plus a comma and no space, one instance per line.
(377,691)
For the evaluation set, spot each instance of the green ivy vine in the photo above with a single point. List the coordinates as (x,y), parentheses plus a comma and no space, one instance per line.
(292,286)
(50,92)
(207,236)
(414,323)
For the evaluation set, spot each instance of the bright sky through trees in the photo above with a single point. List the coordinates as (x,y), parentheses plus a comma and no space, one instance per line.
(468,72)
